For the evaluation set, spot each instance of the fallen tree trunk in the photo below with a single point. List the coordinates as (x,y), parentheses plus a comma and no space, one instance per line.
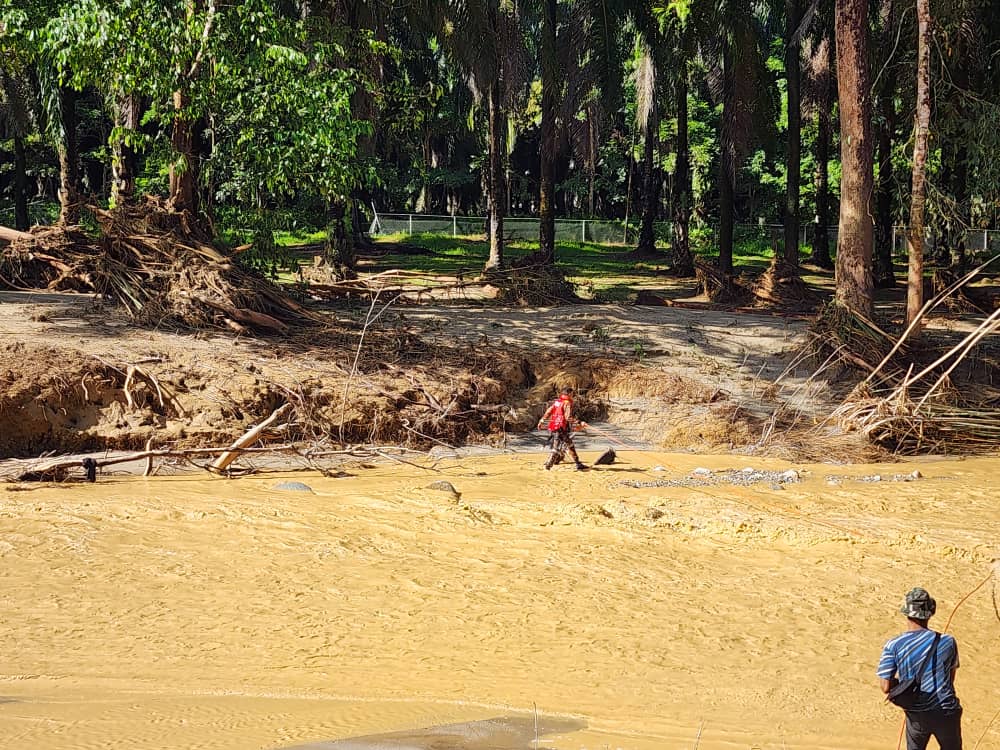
(10,235)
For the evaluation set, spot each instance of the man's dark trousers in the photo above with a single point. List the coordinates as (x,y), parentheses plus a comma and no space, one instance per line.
(944,726)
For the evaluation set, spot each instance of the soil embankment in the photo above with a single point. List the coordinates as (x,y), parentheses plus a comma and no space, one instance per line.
(79,377)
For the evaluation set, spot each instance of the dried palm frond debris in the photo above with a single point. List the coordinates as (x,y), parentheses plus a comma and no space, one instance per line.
(532,281)
(159,264)
(919,399)
(722,288)
(781,287)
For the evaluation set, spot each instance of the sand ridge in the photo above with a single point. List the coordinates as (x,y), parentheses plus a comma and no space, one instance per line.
(189,612)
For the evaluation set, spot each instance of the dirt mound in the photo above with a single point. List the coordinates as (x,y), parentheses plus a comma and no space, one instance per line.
(61,400)
(159,264)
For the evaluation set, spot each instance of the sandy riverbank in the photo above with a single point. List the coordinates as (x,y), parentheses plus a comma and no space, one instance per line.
(188,612)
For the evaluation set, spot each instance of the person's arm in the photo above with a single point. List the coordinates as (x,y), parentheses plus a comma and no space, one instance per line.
(887,670)
(544,418)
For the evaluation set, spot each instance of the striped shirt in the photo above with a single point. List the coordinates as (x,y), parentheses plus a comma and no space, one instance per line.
(902,657)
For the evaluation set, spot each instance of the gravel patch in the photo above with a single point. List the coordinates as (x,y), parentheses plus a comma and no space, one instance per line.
(730,477)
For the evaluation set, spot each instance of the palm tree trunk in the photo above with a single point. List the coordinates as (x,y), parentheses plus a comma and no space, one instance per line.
(960,190)
(546,209)
(124,164)
(591,160)
(918,193)
(824,140)
(793,158)
(683,262)
(496,192)
(884,276)
(69,159)
(727,162)
(183,175)
(650,182)
(855,237)
(21,219)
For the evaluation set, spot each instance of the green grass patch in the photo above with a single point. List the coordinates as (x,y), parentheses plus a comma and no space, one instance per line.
(291,238)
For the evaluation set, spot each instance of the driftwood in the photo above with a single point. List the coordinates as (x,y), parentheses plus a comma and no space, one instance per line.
(10,235)
(222,462)
(59,468)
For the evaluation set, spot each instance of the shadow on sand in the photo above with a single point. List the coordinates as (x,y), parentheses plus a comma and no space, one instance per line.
(502,733)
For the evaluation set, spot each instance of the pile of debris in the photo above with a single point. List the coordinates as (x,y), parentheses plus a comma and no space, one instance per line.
(160,265)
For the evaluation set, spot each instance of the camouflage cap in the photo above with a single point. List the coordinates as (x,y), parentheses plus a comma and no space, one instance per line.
(919,604)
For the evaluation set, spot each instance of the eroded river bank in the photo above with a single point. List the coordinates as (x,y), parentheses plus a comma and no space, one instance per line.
(190,612)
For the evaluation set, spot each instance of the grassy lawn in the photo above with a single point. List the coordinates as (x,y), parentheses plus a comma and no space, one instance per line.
(602,272)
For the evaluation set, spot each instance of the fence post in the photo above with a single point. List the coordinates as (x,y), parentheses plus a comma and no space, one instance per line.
(986,240)
(454,226)
(583,231)
(893,250)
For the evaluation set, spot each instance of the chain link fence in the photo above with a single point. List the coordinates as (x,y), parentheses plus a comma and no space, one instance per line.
(613,232)
(602,232)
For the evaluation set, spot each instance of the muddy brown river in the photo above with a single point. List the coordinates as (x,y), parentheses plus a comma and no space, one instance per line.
(561,610)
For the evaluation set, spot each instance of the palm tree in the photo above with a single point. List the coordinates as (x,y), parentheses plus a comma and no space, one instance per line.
(16,122)
(484,39)
(741,80)
(884,276)
(918,194)
(547,150)
(855,239)
(793,160)
(820,82)
(648,120)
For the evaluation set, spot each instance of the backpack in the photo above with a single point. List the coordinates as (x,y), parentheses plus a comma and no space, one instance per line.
(558,419)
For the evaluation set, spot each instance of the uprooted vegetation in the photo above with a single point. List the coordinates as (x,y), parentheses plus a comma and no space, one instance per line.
(160,265)
(934,393)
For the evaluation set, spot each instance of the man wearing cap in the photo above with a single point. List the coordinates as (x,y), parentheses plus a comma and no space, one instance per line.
(920,652)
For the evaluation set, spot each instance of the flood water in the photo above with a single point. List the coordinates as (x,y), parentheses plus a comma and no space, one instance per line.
(372,612)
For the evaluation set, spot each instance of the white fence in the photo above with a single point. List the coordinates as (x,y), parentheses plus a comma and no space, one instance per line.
(612,232)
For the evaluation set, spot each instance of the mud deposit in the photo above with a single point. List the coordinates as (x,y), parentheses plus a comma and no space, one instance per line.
(187,612)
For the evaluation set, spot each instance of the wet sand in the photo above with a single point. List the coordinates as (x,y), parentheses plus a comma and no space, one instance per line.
(187,612)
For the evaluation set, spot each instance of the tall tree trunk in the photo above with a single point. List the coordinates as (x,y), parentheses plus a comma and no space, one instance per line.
(183,169)
(650,182)
(793,158)
(21,219)
(855,236)
(340,243)
(69,159)
(591,159)
(885,278)
(550,76)
(124,164)
(727,162)
(960,191)
(918,193)
(683,262)
(824,141)
(496,192)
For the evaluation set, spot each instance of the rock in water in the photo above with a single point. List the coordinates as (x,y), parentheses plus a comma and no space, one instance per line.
(606,458)
(293,487)
(442,486)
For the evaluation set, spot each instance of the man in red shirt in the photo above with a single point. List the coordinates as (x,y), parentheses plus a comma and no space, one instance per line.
(559,421)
